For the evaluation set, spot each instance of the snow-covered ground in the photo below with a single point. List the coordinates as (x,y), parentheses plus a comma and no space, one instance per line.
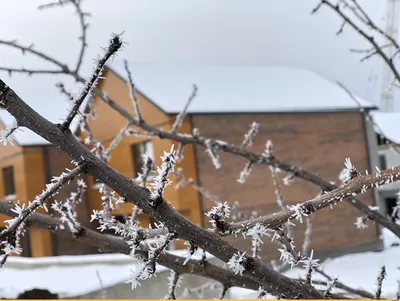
(68,276)
(71,276)
(358,271)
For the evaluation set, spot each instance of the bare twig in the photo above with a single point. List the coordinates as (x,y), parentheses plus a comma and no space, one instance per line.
(379,282)
(114,46)
(132,93)
(347,19)
(181,116)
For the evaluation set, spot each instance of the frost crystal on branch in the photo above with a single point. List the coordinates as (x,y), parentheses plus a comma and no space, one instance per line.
(67,209)
(288,250)
(237,263)
(309,264)
(245,172)
(213,154)
(299,212)
(161,180)
(349,172)
(262,294)
(250,134)
(330,286)
(7,135)
(361,222)
(288,179)
(268,148)
(256,234)
(218,214)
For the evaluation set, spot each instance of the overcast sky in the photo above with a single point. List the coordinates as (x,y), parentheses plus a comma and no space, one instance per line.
(251,32)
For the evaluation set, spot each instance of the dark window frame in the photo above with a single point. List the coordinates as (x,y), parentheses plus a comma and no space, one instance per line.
(382,162)
(390,204)
(8,180)
(381,140)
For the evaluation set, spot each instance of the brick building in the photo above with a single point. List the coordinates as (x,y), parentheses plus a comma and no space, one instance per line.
(312,122)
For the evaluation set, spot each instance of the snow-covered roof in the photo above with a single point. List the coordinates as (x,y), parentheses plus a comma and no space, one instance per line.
(54,113)
(387,124)
(221,89)
(235,89)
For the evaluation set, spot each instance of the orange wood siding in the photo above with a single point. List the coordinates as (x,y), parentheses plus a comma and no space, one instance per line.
(29,181)
(107,125)
(35,183)
(12,156)
(188,198)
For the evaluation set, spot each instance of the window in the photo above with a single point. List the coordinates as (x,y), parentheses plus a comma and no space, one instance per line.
(381,139)
(390,203)
(138,150)
(382,162)
(8,181)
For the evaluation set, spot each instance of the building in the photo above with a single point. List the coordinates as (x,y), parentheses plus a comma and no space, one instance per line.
(312,122)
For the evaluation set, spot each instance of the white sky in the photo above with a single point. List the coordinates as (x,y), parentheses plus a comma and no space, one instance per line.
(252,32)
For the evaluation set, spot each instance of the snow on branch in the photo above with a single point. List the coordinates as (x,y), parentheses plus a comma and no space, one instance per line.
(248,137)
(7,135)
(237,263)
(161,181)
(256,233)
